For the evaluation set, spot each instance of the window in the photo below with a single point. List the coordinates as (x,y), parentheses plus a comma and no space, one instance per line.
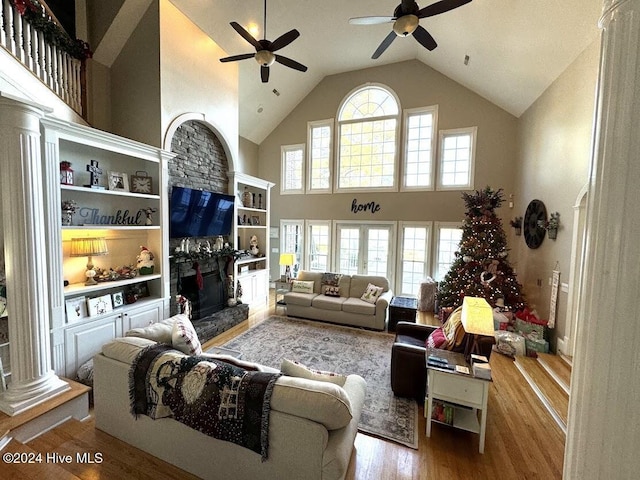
(449,237)
(367,131)
(292,169)
(291,241)
(419,147)
(365,249)
(457,152)
(414,257)
(318,246)
(320,144)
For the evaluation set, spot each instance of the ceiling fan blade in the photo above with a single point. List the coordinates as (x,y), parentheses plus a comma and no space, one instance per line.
(424,38)
(384,45)
(370,20)
(235,58)
(284,40)
(290,63)
(246,35)
(264,74)
(440,7)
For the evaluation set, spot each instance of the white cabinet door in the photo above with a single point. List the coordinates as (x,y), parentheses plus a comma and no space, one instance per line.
(142,316)
(84,341)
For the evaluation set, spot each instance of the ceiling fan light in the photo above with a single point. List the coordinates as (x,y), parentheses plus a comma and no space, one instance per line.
(405,25)
(265,58)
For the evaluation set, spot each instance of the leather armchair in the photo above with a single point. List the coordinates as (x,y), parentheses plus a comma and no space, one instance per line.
(408,362)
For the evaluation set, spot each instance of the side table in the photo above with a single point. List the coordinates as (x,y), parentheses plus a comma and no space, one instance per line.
(281,289)
(466,394)
(402,309)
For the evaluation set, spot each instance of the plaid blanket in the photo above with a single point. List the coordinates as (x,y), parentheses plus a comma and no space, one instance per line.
(214,397)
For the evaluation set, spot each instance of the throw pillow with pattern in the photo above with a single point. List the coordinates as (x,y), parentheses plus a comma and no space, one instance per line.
(184,336)
(371,294)
(331,291)
(302,286)
(436,339)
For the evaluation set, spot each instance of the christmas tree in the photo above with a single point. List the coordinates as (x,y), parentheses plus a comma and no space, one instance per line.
(480,267)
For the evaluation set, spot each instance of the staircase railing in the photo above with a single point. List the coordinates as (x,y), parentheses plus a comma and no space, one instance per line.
(32,36)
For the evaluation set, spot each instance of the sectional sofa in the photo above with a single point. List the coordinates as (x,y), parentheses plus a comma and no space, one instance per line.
(348,308)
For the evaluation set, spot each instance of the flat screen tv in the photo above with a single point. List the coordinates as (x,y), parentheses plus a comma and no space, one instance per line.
(198,213)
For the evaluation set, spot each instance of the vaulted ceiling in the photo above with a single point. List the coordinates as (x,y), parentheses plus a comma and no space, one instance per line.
(516,48)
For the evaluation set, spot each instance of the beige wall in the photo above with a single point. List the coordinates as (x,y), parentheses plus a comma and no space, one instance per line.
(193,80)
(555,152)
(248,154)
(416,85)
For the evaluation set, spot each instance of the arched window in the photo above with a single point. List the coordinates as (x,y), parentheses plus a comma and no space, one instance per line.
(367,134)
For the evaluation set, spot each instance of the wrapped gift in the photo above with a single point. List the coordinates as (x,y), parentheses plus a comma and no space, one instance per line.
(529,329)
(535,346)
(510,343)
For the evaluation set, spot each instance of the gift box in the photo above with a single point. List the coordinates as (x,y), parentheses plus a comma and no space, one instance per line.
(535,346)
(528,329)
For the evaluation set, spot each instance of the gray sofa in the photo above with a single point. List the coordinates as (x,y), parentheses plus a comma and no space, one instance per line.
(312,428)
(348,308)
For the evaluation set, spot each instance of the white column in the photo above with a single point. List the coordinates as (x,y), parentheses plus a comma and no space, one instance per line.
(32,379)
(604,415)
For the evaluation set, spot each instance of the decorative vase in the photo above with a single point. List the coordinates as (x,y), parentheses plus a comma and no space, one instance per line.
(67,217)
(247,198)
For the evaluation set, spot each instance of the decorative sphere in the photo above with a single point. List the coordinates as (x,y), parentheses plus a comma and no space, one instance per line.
(466,259)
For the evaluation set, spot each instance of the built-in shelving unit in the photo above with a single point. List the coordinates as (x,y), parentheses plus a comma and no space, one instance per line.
(127,220)
(252,226)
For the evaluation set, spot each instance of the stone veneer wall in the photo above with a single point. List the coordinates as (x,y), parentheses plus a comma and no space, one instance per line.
(201,163)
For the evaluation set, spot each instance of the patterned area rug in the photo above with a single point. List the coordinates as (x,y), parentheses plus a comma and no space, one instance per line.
(343,350)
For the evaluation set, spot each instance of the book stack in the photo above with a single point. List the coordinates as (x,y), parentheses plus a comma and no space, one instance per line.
(480,366)
(442,412)
(439,362)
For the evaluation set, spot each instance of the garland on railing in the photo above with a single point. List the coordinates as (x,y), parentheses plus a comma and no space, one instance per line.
(34,13)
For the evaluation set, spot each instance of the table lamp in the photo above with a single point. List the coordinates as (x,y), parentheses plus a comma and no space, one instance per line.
(477,320)
(88,247)
(287,259)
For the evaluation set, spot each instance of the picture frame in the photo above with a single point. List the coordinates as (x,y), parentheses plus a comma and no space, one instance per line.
(255,220)
(118,181)
(135,291)
(117,298)
(99,305)
(76,309)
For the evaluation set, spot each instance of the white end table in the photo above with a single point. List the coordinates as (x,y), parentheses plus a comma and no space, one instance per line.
(467,394)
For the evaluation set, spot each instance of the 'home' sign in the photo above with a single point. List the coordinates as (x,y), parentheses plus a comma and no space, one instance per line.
(372,207)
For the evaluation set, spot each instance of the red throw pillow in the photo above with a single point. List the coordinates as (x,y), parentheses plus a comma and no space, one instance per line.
(437,339)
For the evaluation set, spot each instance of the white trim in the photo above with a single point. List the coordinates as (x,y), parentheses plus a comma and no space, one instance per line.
(473,132)
(284,149)
(409,112)
(330,122)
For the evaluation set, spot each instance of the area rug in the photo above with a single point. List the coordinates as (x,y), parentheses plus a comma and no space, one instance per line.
(343,350)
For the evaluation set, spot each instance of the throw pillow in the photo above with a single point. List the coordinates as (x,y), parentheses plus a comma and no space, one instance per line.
(372,293)
(302,286)
(331,279)
(184,337)
(453,330)
(437,339)
(296,369)
(332,291)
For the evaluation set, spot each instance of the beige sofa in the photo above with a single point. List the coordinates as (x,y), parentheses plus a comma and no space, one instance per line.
(348,308)
(312,428)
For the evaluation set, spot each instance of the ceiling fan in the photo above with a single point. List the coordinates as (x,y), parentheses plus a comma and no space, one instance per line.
(264,49)
(406,21)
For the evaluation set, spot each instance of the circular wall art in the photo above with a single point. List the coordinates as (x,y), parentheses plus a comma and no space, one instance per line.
(534,219)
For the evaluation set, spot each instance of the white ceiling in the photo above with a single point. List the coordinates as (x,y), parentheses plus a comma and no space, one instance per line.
(517,48)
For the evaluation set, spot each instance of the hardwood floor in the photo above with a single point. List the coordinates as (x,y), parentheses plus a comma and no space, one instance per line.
(522,442)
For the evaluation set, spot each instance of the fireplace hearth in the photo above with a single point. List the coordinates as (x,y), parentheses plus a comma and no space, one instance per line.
(210,299)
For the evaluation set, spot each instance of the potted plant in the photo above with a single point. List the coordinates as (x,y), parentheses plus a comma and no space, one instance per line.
(552,225)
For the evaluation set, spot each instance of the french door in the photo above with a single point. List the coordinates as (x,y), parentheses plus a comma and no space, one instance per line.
(365,249)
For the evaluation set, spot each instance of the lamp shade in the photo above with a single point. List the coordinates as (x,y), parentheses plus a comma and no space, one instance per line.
(83,247)
(287,259)
(477,316)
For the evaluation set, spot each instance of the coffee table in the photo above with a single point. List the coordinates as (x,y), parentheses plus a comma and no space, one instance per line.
(402,309)
(467,394)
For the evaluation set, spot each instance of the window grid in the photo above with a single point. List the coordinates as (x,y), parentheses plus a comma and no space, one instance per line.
(320,156)
(349,248)
(292,242)
(414,259)
(377,251)
(319,248)
(419,133)
(457,158)
(292,169)
(448,241)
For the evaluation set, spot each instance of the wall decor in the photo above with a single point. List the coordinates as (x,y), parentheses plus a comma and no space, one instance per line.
(76,309)
(92,216)
(534,220)
(99,305)
(118,181)
(66,173)
(95,172)
(356,207)
(118,299)
(141,182)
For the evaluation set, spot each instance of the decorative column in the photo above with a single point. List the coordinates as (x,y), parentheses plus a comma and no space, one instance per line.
(603,430)
(32,379)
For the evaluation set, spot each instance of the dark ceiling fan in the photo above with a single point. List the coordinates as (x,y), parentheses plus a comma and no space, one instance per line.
(264,49)
(406,21)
